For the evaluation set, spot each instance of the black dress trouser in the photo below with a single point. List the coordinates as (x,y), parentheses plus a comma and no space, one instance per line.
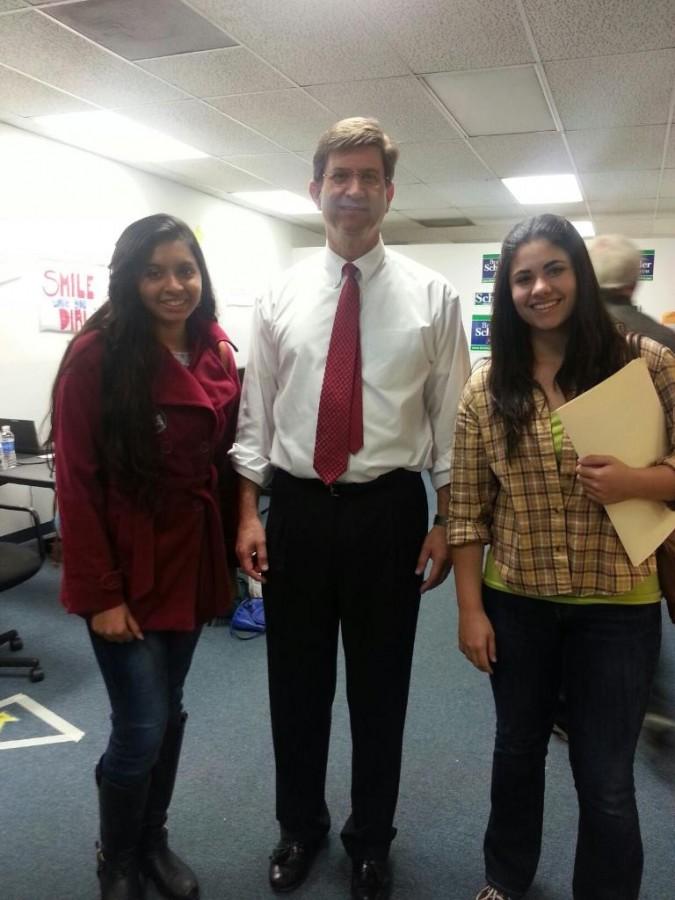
(344,558)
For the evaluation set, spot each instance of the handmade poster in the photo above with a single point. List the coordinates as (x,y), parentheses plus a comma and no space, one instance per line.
(69,293)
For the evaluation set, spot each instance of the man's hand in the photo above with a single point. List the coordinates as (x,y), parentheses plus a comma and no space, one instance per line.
(117,625)
(477,639)
(605,479)
(434,548)
(251,548)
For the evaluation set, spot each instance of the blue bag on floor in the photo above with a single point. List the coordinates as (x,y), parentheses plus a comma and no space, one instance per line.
(248,620)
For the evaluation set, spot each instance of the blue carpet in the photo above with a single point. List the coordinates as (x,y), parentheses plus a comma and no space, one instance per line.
(223,814)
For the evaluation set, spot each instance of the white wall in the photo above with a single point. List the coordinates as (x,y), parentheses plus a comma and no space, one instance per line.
(59,203)
(461,265)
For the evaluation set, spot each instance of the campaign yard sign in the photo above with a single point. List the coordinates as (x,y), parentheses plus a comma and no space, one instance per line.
(480,332)
(489,271)
(646,265)
(482,298)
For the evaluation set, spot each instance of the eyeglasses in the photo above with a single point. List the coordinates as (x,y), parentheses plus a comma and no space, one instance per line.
(369,178)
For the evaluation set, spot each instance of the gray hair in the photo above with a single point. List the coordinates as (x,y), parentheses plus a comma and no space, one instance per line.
(616,261)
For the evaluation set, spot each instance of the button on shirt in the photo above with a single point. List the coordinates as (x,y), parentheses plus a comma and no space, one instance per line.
(415,362)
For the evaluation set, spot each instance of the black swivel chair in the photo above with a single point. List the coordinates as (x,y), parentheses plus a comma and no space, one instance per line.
(19,563)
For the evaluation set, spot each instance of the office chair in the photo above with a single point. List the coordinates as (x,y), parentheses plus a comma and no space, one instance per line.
(19,563)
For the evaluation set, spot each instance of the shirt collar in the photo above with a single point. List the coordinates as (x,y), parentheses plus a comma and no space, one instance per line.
(368,264)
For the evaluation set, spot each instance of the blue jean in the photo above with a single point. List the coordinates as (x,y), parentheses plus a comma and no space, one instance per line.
(144,680)
(603,657)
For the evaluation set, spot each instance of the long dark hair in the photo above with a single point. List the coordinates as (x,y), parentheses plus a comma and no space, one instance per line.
(132,353)
(594,349)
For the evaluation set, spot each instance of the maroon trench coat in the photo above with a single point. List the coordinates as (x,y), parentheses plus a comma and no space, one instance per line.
(169,566)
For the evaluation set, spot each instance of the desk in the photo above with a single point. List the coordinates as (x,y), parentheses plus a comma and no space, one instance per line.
(32,474)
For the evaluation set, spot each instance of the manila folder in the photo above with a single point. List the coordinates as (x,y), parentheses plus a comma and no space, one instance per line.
(623,417)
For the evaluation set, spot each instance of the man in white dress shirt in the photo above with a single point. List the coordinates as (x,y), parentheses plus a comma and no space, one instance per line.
(347,544)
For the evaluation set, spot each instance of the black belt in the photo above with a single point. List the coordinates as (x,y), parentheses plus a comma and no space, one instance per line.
(285,481)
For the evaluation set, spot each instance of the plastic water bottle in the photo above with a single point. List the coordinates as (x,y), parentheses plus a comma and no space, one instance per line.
(7,452)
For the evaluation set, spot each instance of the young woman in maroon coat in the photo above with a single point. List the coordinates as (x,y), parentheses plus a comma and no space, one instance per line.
(144,411)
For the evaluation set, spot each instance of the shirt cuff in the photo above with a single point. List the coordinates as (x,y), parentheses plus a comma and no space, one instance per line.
(465,532)
(440,478)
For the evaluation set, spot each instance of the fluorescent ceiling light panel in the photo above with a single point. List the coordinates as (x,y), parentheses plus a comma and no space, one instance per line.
(584,227)
(110,134)
(539,189)
(284,202)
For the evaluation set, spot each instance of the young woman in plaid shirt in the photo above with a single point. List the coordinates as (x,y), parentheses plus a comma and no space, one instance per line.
(558,603)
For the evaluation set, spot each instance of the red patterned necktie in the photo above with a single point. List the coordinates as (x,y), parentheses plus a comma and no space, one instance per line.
(339,427)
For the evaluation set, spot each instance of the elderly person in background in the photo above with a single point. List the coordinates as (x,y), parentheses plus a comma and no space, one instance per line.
(616,262)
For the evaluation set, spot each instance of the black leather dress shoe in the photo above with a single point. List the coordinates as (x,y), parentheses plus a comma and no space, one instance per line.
(290,863)
(370,879)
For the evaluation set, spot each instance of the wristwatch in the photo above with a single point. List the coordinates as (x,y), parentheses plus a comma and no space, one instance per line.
(440,520)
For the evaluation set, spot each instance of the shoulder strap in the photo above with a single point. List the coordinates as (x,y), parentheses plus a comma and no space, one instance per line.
(225,354)
(634,340)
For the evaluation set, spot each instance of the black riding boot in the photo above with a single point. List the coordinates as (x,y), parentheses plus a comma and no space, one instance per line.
(121,812)
(172,877)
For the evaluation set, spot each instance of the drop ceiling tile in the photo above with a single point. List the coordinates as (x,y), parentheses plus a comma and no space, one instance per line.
(397,219)
(602,186)
(620,205)
(290,118)
(411,234)
(510,155)
(217,73)
(24,97)
(200,126)
(418,196)
(310,42)
(137,29)
(404,175)
(445,212)
(471,234)
(579,28)
(670,152)
(401,104)
(313,222)
(668,183)
(435,35)
(617,149)
(666,206)
(283,170)
(568,210)
(664,226)
(40,47)
(592,93)
(442,162)
(490,213)
(494,101)
(213,173)
(478,192)
(631,226)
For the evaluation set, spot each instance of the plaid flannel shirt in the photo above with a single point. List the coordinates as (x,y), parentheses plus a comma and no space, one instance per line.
(547,537)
